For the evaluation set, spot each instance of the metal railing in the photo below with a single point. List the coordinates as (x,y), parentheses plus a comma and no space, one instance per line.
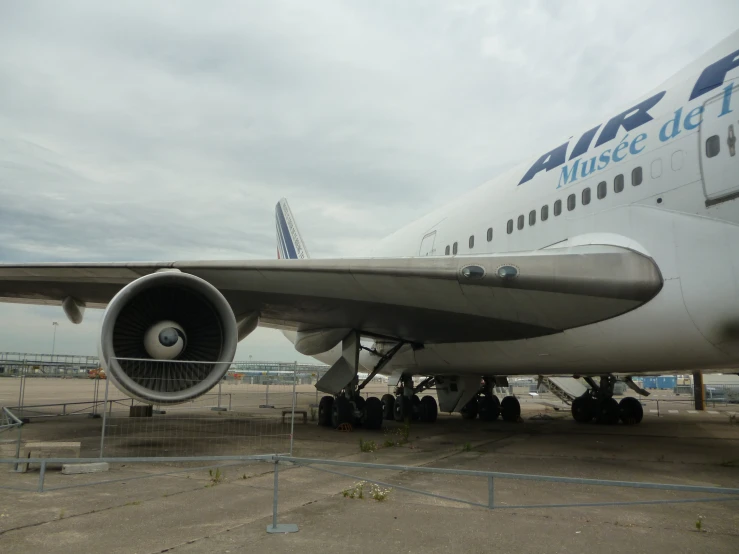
(8,424)
(720,494)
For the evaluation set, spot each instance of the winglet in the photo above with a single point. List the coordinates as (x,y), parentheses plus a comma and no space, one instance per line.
(290,245)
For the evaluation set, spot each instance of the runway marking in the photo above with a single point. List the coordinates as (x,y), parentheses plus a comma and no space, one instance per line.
(672,411)
(653,411)
(712,413)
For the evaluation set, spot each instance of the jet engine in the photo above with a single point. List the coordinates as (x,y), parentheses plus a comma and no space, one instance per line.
(168,337)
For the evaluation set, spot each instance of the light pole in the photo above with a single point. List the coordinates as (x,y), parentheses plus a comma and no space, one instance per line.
(53,343)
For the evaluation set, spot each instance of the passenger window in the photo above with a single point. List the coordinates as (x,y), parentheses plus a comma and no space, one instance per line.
(520,222)
(532,217)
(713,146)
(571,202)
(618,183)
(490,234)
(545,212)
(557,208)
(446,251)
(602,190)
(472,241)
(636,176)
(454,249)
(509,227)
(586,196)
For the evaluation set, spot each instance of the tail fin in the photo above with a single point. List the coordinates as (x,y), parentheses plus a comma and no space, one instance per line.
(290,245)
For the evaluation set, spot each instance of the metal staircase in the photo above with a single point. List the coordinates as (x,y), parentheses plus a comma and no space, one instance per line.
(564,388)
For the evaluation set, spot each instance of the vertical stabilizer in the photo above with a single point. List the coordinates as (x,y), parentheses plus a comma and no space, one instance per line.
(290,245)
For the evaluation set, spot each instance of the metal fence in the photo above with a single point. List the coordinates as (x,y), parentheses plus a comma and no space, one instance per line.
(492,479)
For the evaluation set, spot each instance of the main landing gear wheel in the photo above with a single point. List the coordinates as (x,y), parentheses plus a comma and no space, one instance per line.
(388,407)
(428,410)
(488,406)
(341,411)
(415,407)
(606,411)
(510,409)
(582,409)
(630,411)
(470,410)
(373,413)
(324,411)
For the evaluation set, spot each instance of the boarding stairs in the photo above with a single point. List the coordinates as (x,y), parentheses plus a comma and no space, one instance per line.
(564,388)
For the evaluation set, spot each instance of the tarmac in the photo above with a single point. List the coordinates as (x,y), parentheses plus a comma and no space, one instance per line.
(172,507)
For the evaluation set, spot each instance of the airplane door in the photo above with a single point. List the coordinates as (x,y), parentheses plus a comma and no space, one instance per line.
(718,147)
(427,244)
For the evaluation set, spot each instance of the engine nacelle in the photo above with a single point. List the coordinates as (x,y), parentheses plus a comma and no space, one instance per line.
(168,337)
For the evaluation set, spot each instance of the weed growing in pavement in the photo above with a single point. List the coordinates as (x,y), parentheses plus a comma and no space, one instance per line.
(467,447)
(215,477)
(367,446)
(355,491)
(699,524)
(378,493)
(398,436)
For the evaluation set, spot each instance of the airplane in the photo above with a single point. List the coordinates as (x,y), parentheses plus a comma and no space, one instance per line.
(614,254)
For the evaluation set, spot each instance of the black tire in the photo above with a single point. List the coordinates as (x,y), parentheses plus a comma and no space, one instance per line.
(415,407)
(342,411)
(373,415)
(388,406)
(630,411)
(324,411)
(582,409)
(402,408)
(428,409)
(510,409)
(359,403)
(470,410)
(606,411)
(488,406)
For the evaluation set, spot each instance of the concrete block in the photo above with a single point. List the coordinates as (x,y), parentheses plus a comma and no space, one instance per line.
(95,467)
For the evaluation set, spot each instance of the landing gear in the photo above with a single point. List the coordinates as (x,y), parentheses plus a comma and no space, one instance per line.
(388,407)
(324,410)
(488,407)
(597,403)
(428,410)
(470,410)
(510,409)
(373,413)
(630,411)
(341,411)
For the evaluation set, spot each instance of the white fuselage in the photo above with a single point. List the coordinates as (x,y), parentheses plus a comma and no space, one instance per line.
(682,214)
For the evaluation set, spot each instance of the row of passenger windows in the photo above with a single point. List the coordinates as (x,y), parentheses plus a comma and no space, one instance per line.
(601,191)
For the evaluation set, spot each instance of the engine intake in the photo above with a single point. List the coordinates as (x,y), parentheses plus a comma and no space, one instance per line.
(168,337)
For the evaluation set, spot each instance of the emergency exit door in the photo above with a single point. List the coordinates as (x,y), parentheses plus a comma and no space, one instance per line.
(427,244)
(718,147)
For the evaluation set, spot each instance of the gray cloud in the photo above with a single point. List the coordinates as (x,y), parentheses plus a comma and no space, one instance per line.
(146,131)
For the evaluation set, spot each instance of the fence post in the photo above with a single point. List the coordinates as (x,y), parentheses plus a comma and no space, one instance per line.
(41,476)
(105,420)
(278,527)
(491,493)
(292,420)
(18,447)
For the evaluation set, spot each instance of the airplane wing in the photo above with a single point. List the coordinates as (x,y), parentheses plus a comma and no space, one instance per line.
(426,300)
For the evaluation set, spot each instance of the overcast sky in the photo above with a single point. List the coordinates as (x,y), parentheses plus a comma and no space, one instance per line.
(169,130)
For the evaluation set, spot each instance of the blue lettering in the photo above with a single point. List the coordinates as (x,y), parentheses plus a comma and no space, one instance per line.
(727,100)
(568,176)
(663,136)
(713,76)
(548,161)
(629,119)
(605,159)
(584,172)
(689,124)
(623,145)
(633,148)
